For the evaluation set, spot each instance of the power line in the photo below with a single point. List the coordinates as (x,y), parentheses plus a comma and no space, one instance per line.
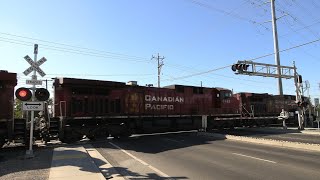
(77,47)
(25,43)
(96,74)
(297,20)
(253,59)
(184,68)
(202,4)
(294,47)
(303,28)
(197,74)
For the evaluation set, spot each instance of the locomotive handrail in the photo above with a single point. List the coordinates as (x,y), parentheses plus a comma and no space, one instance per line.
(252,110)
(243,107)
(65,108)
(48,115)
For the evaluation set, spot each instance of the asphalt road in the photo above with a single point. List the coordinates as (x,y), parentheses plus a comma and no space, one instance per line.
(188,156)
(277,135)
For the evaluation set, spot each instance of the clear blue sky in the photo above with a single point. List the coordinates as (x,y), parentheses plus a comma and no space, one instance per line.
(193,35)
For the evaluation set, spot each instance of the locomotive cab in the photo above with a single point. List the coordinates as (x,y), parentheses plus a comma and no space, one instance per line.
(228,103)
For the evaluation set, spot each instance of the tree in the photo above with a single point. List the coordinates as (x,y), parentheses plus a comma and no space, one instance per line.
(18,113)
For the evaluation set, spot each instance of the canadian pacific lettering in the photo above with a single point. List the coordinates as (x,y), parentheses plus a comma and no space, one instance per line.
(151,100)
(159,107)
(163,99)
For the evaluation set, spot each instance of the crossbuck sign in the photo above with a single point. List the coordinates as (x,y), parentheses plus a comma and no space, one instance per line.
(34,66)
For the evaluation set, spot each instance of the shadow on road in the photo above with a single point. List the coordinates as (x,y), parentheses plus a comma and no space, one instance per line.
(159,143)
(134,175)
(14,165)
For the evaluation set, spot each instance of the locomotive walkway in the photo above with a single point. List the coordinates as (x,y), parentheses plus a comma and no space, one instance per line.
(79,163)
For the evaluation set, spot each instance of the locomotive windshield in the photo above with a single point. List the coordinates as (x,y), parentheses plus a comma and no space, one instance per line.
(225,95)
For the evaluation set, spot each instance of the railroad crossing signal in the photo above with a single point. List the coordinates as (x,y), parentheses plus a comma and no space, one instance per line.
(240,67)
(34,66)
(42,94)
(24,94)
(299,79)
(271,70)
(262,69)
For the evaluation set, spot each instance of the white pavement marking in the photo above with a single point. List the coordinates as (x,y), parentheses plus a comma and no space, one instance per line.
(255,158)
(164,133)
(141,161)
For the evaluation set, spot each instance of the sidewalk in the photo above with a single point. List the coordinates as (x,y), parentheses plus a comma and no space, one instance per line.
(79,163)
(311,131)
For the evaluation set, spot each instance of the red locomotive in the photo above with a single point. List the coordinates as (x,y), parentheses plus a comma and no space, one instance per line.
(7,83)
(101,108)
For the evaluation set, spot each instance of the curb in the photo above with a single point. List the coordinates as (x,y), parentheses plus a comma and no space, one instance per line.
(278,143)
(312,131)
(68,162)
(108,171)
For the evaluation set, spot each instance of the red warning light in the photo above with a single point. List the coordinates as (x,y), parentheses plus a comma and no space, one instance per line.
(23,94)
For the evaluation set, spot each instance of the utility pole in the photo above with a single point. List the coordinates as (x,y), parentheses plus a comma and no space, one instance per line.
(276,46)
(160,64)
(46,80)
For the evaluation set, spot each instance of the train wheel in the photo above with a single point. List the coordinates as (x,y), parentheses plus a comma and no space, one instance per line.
(70,136)
(98,135)
(46,138)
(123,135)
(71,139)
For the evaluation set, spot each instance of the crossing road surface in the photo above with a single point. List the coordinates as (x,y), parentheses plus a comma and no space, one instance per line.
(188,156)
(283,136)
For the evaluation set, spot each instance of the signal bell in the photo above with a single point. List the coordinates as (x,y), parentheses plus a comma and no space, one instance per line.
(42,94)
(23,94)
